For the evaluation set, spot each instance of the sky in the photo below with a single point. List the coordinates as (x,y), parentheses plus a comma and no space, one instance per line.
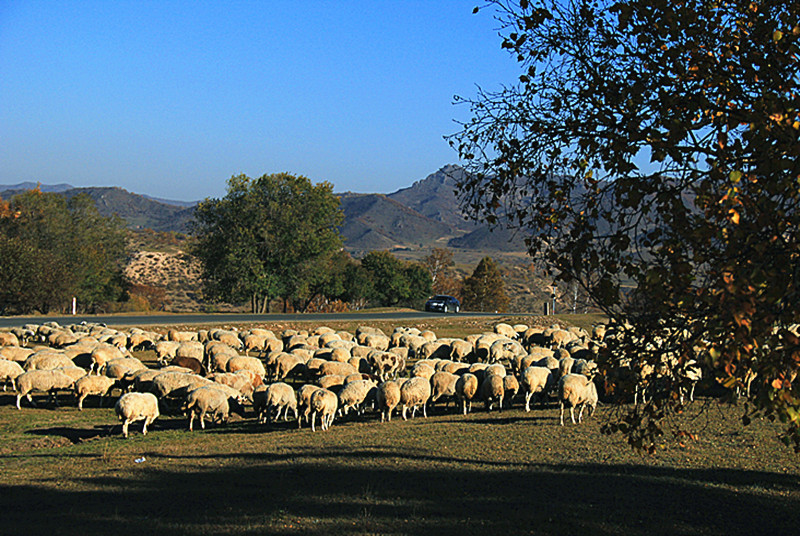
(171,98)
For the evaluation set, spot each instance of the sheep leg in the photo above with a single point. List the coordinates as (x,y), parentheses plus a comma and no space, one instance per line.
(80,402)
(191,420)
(313,417)
(424,411)
(562,413)
(572,413)
(144,426)
(203,419)
(528,396)
(580,413)
(404,413)
(125,428)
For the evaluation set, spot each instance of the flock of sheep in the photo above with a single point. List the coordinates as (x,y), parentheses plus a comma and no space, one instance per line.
(316,375)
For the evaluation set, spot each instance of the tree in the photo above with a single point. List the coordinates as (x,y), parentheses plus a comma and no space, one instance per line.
(394,281)
(439,263)
(268,237)
(654,146)
(484,290)
(55,249)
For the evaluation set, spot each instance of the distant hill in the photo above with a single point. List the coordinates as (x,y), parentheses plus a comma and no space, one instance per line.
(414,219)
(138,211)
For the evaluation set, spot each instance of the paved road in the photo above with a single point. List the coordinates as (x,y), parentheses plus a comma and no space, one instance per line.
(230,318)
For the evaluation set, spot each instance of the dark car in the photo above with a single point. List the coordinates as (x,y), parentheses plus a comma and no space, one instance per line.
(443,304)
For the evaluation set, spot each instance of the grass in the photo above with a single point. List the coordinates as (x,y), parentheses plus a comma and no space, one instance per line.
(70,472)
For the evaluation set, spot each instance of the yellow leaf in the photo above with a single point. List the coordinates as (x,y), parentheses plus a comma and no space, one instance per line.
(734,216)
(735,176)
(777,35)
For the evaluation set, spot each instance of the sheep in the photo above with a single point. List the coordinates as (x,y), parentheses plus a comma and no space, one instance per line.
(9,371)
(93,385)
(492,391)
(443,384)
(118,368)
(133,407)
(511,388)
(8,339)
(241,381)
(191,363)
(102,354)
(47,360)
(168,383)
(386,364)
(535,380)
(304,402)
(414,393)
(576,390)
(461,350)
(334,367)
(242,362)
(165,351)
(466,389)
(182,336)
(332,382)
(15,353)
(285,364)
(210,399)
(505,330)
(354,394)
(423,370)
(387,397)
(325,403)
(276,395)
(48,381)
(217,356)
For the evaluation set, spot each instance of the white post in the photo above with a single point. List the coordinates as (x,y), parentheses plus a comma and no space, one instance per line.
(74,305)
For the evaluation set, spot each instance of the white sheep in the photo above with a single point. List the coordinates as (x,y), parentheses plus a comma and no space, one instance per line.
(443,384)
(47,360)
(304,403)
(93,385)
(9,371)
(210,399)
(48,381)
(242,362)
(15,353)
(466,389)
(355,394)
(132,407)
(387,398)
(276,395)
(576,390)
(535,380)
(325,403)
(414,393)
(493,391)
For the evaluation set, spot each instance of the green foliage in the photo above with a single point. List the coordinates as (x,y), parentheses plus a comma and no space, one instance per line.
(396,282)
(484,290)
(654,146)
(268,237)
(54,249)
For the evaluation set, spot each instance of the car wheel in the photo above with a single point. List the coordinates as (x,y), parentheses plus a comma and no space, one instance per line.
(446,310)
(457,308)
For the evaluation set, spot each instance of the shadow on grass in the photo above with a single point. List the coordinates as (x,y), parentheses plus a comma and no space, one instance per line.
(365,490)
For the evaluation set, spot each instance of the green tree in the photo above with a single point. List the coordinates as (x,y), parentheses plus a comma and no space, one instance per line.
(654,146)
(394,281)
(56,249)
(268,237)
(484,290)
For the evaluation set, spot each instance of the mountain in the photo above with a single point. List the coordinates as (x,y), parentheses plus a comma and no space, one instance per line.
(138,211)
(417,218)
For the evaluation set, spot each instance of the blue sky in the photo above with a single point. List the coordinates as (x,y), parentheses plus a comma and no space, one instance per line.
(171,98)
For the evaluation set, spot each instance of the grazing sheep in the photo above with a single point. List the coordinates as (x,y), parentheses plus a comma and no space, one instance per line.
(15,353)
(93,385)
(242,362)
(285,364)
(387,398)
(118,368)
(132,407)
(325,403)
(276,395)
(576,390)
(304,403)
(415,393)
(102,354)
(493,391)
(168,383)
(505,330)
(423,369)
(9,371)
(8,339)
(443,384)
(511,388)
(217,356)
(165,351)
(210,400)
(241,381)
(536,380)
(47,360)
(182,336)
(49,381)
(466,389)
(334,367)
(386,364)
(332,382)
(191,363)
(355,394)
(461,350)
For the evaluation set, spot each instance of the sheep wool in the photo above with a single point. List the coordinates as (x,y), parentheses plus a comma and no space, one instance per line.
(132,407)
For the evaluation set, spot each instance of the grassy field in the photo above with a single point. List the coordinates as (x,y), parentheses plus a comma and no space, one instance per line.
(70,472)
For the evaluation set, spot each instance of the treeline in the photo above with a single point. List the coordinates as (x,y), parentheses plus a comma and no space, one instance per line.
(271,244)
